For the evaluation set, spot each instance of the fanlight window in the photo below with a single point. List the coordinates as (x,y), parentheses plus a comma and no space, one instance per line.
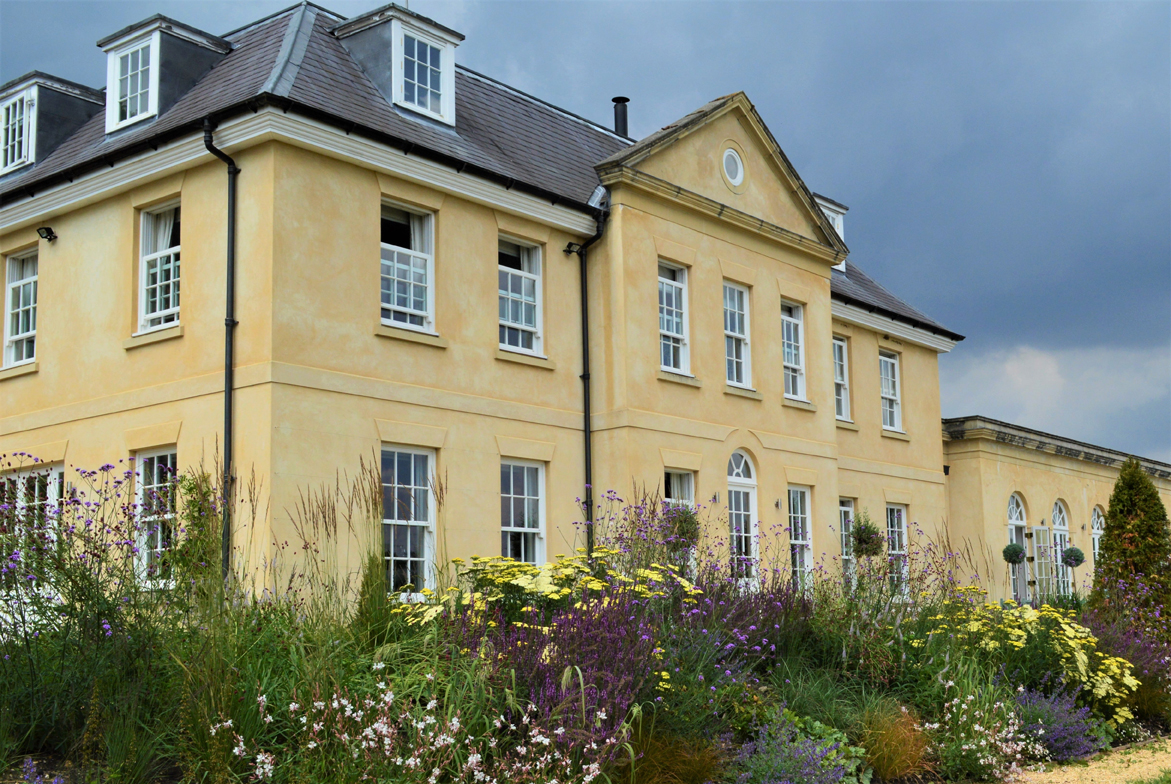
(1016,510)
(1060,516)
(739,467)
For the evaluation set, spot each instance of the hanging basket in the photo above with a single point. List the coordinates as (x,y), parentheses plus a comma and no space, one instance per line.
(868,541)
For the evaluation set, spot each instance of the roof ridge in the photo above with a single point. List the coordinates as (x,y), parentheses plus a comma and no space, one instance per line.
(281,12)
(292,52)
(565,112)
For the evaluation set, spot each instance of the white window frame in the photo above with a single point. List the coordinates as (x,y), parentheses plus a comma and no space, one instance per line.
(664,334)
(896,546)
(113,77)
(425,526)
(731,153)
(17,483)
(1042,562)
(685,481)
(537,533)
(146,217)
(152,524)
(841,358)
(394,258)
(800,500)
(846,513)
(1097,529)
(793,332)
(530,254)
(11,286)
(1017,528)
(733,338)
(891,393)
(20,109)
(1061,573)
(447,71)
(742,508)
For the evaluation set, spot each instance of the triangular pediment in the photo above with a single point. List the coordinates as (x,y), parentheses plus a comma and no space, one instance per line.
(691,154)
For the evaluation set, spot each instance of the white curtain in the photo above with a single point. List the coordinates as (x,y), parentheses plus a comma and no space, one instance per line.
(161,226)
(420,235)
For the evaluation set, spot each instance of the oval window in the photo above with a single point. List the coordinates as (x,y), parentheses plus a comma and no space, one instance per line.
(733,167)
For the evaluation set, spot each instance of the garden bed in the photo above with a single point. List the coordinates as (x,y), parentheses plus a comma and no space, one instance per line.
(661,658)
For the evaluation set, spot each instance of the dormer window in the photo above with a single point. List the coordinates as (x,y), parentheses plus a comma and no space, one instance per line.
(132,84)
(425,65)
(134,93)
(421,76)
(18,117)
(37,113)
(135,87)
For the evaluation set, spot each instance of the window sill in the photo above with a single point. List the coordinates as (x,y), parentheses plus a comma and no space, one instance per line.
(410,335)
(22,369)
(680,378)
(154,336)
(846,424)
(804,405)
(897,434)
(526,359)
(752,394)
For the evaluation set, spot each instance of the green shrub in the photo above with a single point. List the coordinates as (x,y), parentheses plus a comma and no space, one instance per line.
(1137,539)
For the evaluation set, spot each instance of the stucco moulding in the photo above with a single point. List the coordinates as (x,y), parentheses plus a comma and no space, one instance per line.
(525,449)
(800,476)
(893,496)
(53,452)
(151,436)
(686,461)
(669,250)
(410,434)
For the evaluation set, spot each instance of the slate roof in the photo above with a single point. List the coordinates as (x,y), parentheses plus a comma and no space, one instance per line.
(855,287)
(291,60)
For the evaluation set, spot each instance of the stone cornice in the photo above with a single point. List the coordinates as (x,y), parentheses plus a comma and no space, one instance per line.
(852,314)
(648,183)
(978,427)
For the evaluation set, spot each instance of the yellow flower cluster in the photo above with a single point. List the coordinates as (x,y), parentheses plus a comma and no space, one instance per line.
(496,580)
(1001,631)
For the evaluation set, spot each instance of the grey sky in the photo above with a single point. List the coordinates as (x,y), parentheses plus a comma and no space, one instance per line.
(1007,165)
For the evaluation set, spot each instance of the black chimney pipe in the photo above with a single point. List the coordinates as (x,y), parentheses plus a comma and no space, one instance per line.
(620,115)
(229,346)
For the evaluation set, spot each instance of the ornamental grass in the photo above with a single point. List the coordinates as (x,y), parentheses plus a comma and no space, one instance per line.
(658,660)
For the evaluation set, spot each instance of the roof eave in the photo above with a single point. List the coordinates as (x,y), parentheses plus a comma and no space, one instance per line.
(254,104)
(933,328)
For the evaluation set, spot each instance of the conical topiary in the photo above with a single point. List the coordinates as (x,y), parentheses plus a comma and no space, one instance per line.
(1137,539)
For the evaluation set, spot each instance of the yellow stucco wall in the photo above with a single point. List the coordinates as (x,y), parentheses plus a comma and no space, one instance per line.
(984,472)
(321,384)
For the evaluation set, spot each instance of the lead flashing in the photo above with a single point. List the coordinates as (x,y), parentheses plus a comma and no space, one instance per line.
(391,11)
(167,25)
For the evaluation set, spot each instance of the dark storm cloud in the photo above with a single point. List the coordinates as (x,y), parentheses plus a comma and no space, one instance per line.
(1007,165)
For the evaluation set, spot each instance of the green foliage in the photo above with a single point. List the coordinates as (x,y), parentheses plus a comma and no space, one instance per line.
(1014,554)
(1137,539)
(869,542)
(851,758)
(1032,646)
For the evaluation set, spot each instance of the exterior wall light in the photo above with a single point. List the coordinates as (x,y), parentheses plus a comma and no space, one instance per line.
(46,233)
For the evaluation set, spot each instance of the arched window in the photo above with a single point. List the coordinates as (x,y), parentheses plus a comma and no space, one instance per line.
(742,514)
(1016,510)
(1060,543)
(1019,573)
(1097,528)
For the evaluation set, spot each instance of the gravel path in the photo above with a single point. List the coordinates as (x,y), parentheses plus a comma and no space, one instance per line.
(1133,764)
